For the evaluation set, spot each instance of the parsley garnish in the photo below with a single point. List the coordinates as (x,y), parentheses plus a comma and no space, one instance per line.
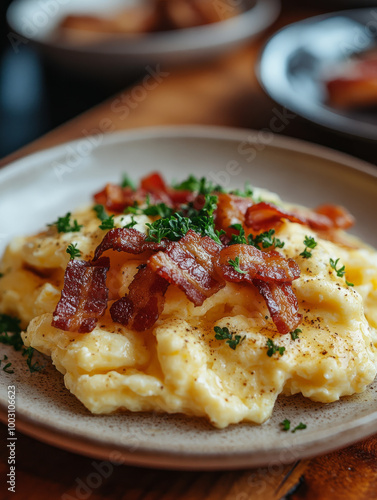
(339,272)
(63,224)
(7,366)
(294,334)
(246,193)
(131,224)
(127,182)
(299,427)
(10,334)
(236,265)
(272,348)
(107,220)
(286,425)
(73,251)
(33,367)
(176,225)
(161,209)
(201,186)
(266,239)
(309,242)
(224,334)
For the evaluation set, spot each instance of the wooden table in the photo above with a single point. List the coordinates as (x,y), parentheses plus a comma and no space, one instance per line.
(224,92)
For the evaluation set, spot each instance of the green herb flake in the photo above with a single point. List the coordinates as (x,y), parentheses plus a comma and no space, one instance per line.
(107,220)
(247,192)
(131,224)
(224,334)
(295,333)
(63,224)
(236,265)
(273,348)
(286,425)
(127,182)
(199,185)
(73,251)
(339,272)
(310,244)
(300,427)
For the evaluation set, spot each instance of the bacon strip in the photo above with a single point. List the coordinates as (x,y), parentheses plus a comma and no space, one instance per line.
(231,209)
(84,296)
(282,304)
(116,199)
(263,216)
(188,264)
(127,240)
(255,264)
(143,304)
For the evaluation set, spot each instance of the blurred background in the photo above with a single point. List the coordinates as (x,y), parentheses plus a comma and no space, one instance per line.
(37,96)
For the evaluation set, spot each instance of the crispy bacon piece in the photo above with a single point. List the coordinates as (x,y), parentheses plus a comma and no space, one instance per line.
(189,264)
(84,296)
(127,240)
(116,199)
(231,209)
(266,266)
(282,304)
(143,304)
(263,216)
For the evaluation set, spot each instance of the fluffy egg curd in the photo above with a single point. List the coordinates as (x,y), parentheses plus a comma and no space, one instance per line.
(213,312)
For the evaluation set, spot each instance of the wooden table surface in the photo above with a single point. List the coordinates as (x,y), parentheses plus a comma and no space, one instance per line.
(223,92)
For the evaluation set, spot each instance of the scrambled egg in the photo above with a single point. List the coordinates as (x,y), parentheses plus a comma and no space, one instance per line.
(180,366)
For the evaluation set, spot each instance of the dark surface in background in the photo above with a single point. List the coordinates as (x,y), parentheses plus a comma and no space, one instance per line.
(36,96)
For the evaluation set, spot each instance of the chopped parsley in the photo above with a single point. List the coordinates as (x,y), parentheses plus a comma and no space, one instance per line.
(201,186)
(339,272)
(299,427)
(236,265)
(127,182)
(73,251)
(131,224)
(63,224)
(7,366)
(107,220)
(246,193)
(161,209)
(266,239)
(176,225)
(10,334)
(224,334)
(309,243)
(286,425)
(294,334)
(273,348)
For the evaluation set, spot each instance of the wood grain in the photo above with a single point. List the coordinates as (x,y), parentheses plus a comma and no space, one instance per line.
(224,92)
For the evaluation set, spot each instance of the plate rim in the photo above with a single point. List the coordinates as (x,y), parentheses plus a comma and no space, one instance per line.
(332,121)
(361,428)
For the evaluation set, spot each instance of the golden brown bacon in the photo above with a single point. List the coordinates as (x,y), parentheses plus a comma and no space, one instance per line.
(116,199)
(231,209)
(255,264)
(282,304)
(127,240)
(84,296)
(143,304)
(188,264)
(263,216)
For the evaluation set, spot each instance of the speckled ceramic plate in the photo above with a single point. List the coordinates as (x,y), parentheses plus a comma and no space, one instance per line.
(54,181)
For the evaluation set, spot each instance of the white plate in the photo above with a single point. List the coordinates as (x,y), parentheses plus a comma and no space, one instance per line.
(116,54)
(54,181)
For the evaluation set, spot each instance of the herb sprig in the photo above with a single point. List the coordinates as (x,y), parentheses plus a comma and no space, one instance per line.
(263,240)
(236,265)
(309,243)
(127,182)
(224,334)
(199,185)
(339,272)
(63,224)
(73,251)
(295,333)
(273,348)
(107,220)
(10,334)
(286,426)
